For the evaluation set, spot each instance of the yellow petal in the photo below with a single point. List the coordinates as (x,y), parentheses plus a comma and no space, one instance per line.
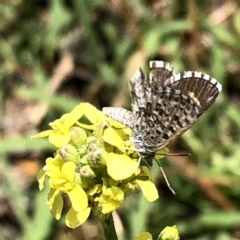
(68,171)
(74,219)
(76,114)
(92,113)
(86,126)
(143,236)
(96,189)
(112,137)
(78,198)
(149,190)
(59,140)
(43,134)
(41,178)
(119,126)
(127,131)
(53,167)
(55,203)
(62,125)
(116,124)
(169,233)
(120,167)
(56,161)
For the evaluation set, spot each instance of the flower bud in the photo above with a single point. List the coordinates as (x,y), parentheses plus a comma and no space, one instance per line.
(87,176)
(169,233)
(69,153)
(84,160)
(95,157)
(77,178)
(86,172)
(92,142)
(78,136)
(82,150)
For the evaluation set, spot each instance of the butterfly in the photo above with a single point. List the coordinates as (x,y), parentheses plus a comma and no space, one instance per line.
(164,105)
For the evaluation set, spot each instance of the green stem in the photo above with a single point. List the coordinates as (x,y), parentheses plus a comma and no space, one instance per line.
(109,228)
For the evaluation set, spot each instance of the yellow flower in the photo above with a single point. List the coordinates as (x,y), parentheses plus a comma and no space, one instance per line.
(52,165)
(61,180)
(60,133)
(111,199)
(169,233)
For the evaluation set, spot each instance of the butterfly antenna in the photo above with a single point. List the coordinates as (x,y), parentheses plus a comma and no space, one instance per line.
(178,154)
(166,180)
(174,154)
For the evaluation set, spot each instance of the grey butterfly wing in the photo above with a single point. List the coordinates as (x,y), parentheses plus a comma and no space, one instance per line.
(120,114)
(161,113)
(199,86)
(172,115)
(194,93)
(137,88)
(160,74)
(144,91)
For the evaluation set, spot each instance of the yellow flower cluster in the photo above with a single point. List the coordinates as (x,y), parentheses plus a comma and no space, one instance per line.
(93,165)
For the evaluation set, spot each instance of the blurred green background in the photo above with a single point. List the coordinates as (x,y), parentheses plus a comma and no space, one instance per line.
(55,54)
